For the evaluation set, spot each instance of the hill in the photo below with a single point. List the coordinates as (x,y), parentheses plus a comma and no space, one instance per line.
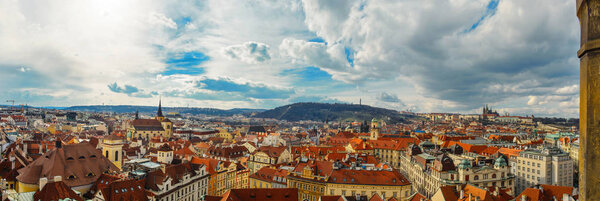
(332,112)
(152,109)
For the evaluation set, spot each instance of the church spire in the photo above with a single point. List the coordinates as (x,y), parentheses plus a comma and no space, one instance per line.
(137,114)
(159,113)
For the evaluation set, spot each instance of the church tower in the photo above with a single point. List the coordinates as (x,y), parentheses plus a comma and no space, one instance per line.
(159,114)
(112,148)
(375,127)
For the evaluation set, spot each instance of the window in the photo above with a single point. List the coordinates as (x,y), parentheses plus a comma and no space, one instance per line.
(116,155)
(476,177)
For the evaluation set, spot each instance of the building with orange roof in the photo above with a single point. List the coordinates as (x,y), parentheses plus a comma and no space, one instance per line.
(389,151)
(548,192)
(430,172)
(268,156)
(318,178)
(268,177)
(266,194)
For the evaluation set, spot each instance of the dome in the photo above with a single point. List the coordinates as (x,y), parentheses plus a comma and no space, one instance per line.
(500,161)
(374,120)
(464,164)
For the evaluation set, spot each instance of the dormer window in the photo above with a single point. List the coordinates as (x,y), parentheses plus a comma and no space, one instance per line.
(70,158)
(81,157)
(91,175)
(93,156)
(71,177)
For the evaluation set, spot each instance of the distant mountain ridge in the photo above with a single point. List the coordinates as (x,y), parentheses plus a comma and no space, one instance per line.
(153,109)
(332,112)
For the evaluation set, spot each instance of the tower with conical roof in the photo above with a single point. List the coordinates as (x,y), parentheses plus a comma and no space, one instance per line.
(159,114)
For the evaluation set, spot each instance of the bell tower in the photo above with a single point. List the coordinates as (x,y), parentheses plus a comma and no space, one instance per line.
(159,114)
(589,105)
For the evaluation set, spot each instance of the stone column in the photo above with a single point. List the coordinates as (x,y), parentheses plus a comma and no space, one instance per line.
(588,12)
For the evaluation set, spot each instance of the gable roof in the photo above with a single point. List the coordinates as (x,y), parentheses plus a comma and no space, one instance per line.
(78,164)
(55,191)
(279,194)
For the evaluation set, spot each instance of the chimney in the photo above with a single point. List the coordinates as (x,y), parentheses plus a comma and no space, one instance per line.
(25,148)
(58,144)
(476,198)
(57,178)
(470,197)
(496,191)
(43,182)
(462,194)
(523,198)
(566,197)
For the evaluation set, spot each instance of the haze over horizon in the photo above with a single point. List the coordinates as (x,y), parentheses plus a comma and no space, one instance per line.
(427,56)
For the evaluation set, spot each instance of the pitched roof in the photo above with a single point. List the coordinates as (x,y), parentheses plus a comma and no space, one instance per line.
(279,194)
(418,197)
(271,150)
(368,177)
(147,124)
(531,194)
(376,197)
(122,190)
(55,191)
(78,164)
(269,174)
(332,198)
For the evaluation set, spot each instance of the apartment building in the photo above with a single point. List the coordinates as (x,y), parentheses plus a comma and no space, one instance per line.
(549,166)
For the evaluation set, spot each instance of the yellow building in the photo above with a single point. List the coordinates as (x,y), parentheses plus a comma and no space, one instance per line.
(112,148)
(268,177)
(223,175)
(150,128)
(268,156)
(318,178)
(223,133)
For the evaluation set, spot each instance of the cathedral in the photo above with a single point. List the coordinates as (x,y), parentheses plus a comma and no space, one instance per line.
(148,128)
(488,110)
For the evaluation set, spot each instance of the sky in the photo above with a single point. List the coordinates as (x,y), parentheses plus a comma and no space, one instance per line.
(418,55)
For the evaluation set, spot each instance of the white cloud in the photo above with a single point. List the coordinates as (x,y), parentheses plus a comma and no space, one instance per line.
(521,56)
(249,52)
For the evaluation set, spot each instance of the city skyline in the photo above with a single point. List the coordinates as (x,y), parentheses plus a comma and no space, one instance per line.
(456,56)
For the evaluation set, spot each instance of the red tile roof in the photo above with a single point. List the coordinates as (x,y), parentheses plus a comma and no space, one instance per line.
(55,191)
(260,194)
(269,174)
(368,177)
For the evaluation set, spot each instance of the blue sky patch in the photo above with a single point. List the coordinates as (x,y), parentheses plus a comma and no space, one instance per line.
(185,63)
(349,55)
(490,10)
(307,74)
(317,40)
(247,90)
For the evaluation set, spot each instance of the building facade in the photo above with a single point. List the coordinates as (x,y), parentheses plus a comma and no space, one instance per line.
(549,166)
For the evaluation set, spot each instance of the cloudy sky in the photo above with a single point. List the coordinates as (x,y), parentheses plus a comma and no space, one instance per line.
(419,55)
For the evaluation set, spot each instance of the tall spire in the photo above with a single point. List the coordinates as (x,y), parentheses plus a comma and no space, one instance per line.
(137,114)
(159,113)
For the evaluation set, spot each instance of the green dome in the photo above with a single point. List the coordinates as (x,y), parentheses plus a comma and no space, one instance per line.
(374,120)
(500,161)
(464,164)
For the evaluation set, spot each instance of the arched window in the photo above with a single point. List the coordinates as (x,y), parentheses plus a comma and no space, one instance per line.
(106,154)
(476,177)
(116,155)
(493,175)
